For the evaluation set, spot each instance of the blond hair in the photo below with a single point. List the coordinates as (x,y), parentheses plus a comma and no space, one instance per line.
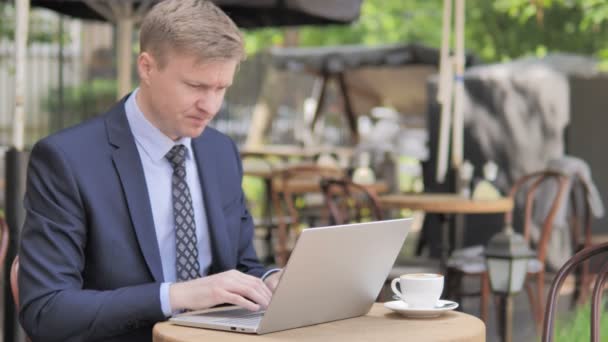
(196,27)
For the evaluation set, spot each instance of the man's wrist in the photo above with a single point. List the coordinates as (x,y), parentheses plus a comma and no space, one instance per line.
(175,299)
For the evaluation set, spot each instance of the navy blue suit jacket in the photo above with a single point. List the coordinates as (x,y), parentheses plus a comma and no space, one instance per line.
(90,267)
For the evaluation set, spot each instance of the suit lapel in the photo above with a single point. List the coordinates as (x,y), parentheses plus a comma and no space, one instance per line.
(220,242)
(130,170)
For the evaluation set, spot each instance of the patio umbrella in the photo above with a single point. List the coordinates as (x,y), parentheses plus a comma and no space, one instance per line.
(246,13)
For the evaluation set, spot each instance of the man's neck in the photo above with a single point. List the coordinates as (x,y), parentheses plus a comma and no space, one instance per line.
(141,100)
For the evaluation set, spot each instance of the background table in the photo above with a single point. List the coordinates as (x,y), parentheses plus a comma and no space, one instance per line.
(291,151)
(380,324)
(446,205)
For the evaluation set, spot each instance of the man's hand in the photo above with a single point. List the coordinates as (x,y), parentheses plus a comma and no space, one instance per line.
(273,280)
(231,287)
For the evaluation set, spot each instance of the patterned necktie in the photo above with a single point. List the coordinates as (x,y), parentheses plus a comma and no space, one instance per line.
(186,258)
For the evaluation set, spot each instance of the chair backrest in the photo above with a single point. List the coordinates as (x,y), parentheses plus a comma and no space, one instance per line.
(350,202)
(14,282)
(528,185)
(598,288)
(298,180)
(286,184)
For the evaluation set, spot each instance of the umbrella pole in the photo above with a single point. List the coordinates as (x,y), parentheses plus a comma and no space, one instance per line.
(124,55)
(458,124)
(21,31)
(444,94)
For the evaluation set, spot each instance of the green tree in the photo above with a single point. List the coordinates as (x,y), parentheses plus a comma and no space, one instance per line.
(495,30)
(41,28)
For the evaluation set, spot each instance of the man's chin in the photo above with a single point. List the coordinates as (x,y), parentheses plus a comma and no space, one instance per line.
(195,133)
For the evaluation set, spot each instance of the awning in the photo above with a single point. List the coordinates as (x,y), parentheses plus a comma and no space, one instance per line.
(245,13)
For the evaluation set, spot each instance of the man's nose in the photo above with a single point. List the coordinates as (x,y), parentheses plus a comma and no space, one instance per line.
(209,103)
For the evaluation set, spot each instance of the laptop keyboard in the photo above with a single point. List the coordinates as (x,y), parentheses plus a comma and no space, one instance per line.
(240,317)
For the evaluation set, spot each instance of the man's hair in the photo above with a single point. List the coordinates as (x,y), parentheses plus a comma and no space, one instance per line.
(195,27)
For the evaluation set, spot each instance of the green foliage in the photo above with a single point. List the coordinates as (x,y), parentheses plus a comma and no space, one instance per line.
(80,102)
(512,28)
(495,30)
(41,29)
(255,193)
(381,22)
(577,327)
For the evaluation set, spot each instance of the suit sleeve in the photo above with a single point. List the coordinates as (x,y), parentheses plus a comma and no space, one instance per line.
(54,304)
(248,261)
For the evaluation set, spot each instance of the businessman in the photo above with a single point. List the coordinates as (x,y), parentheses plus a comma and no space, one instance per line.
(139,213)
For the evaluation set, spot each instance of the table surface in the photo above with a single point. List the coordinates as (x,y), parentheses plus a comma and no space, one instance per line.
(446,203)
(293,151)
(302,185)
(380,324)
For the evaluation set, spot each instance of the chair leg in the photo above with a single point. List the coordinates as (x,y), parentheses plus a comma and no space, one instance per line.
(453,285)
(532,301)
(578,286)
(484,297)
(540,289)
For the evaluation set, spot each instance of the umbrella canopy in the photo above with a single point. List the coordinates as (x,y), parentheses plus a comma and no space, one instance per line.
(245,13)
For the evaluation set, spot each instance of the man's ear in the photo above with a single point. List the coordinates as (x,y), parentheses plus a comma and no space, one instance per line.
(145,66)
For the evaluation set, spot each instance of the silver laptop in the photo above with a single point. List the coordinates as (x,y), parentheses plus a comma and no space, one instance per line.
(333,273)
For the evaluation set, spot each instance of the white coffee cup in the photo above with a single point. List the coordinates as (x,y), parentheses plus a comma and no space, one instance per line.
(419,290)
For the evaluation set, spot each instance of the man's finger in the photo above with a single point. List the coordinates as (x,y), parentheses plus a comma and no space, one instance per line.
(255,283)
(241,301)
(250,292)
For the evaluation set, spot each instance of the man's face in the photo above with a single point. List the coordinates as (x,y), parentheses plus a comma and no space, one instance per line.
(182,97)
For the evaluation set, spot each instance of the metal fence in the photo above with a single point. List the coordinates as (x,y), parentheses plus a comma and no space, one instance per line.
(45,62)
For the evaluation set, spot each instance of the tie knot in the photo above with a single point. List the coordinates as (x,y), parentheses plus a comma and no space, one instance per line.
(177,156)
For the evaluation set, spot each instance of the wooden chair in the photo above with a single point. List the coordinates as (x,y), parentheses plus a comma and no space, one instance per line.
(596,300)
(4,238)
(527,186)
(14,282)
(14,276)
(348,202)
(288,185)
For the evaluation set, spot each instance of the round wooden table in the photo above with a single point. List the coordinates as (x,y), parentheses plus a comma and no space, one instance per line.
(446,205)
(291,151)
(380,324)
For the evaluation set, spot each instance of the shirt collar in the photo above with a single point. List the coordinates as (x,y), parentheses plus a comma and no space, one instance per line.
(154,142)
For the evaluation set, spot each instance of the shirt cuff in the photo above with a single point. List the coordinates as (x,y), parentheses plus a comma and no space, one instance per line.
(165,303)
(269,272)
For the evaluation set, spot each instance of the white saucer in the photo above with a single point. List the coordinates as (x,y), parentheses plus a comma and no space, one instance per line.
(402,308)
